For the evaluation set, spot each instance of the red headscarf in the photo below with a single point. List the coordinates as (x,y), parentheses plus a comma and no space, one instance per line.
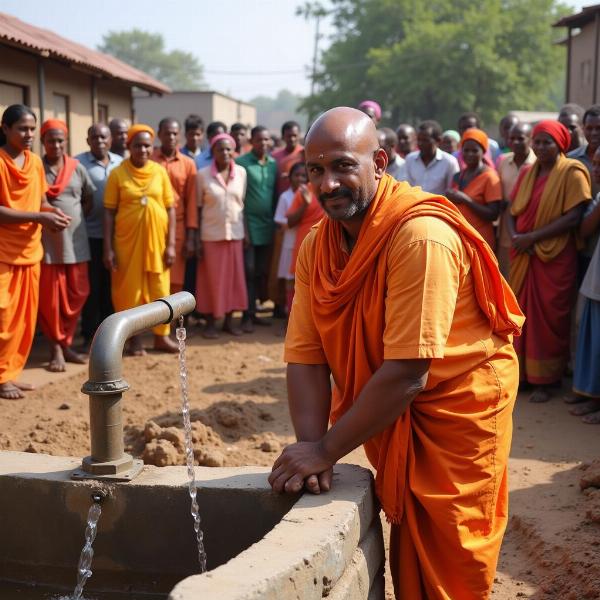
(557,131)
(477,136)
(54,124)
(69,164)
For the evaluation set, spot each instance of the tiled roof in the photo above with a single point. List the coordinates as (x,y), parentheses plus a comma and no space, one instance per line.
(46,43)
(580,19)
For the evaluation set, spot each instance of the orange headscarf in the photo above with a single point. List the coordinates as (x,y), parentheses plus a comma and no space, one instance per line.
(69,164)
(477,135)
(54,124)
(343,298)
(139,128)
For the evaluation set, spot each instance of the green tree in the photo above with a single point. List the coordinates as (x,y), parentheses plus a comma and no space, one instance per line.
(440,58)
(146,51)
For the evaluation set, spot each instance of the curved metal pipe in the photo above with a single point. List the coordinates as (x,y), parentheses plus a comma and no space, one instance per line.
(107,347)
(106,385)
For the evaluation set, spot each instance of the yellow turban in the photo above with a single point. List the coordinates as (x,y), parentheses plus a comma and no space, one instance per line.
(139,128)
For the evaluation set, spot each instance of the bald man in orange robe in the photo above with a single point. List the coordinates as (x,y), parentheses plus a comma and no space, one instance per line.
(401,301)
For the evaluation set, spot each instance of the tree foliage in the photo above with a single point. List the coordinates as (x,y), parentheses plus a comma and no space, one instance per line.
(179,70)
(440,58)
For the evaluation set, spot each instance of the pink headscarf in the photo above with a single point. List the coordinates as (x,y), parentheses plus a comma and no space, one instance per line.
(371,104)
(222,136)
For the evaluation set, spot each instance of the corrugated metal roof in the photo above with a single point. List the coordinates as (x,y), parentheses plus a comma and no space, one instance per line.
(47,43)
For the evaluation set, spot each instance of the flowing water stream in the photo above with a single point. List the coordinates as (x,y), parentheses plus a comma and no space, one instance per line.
(189,448)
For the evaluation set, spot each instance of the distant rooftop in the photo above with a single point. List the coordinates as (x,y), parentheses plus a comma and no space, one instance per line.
(587,15)
(48,44)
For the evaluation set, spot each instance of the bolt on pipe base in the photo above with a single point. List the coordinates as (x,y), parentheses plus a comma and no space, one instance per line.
(123,469)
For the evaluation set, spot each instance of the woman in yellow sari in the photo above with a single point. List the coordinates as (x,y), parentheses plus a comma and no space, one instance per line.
(139,233)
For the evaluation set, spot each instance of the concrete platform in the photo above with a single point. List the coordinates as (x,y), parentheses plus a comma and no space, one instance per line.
(259,544)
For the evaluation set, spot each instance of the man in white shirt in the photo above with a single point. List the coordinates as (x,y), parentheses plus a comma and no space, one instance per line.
(388,141)
(429,167)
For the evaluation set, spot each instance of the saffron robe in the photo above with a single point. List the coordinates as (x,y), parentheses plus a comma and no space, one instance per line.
(421,283)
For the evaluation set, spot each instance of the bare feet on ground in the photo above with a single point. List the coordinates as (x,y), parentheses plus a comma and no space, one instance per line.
(9,391)
(57,363)
(230,328)
(135,347)
(573,398)
(589,411)
(163,343)
(72,356)
(539,395)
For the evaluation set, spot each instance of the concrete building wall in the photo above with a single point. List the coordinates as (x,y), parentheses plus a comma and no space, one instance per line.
(71,90)
(210,106)
(68,94)
(581,85)
(19,69)
(117,97)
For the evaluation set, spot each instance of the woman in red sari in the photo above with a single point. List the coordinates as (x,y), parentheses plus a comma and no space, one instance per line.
(547,205)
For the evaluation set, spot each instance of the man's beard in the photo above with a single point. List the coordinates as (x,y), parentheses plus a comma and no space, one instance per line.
(357,206)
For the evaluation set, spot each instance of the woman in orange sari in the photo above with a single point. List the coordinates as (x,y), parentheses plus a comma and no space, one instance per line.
(476,190)
(23,210)
(547,204)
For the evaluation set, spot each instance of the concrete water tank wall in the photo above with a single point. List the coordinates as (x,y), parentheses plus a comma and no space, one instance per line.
(259,544)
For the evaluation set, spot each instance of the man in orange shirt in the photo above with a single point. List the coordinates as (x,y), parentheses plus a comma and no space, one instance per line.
(23,212)
(401,301)
(182,173)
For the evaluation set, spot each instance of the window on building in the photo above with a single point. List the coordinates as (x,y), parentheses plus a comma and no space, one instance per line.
(60,105)
(586,72)
(11,93)
(103,113)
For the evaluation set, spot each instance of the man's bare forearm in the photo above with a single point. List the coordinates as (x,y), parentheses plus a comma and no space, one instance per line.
(309,398)
(385,397)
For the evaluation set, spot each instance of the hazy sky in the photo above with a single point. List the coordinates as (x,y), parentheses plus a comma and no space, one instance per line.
(247,47)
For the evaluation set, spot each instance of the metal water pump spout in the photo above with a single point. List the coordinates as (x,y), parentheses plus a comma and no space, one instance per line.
(106,385)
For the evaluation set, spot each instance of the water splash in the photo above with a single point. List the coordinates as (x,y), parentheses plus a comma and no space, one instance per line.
(189,448)
(84,571)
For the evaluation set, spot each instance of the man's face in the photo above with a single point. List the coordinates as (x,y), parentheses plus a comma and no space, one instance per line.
(54,143)
(345,179)
(466,123)
(118,134)
(193,139)
(99,141)
(168,135)
(571,122)
(261,142)
(506,125)
(426,143)
(388,147)
(240,136)
(519,141)
(291,137)
(406,139)
(20,134)
(591,130)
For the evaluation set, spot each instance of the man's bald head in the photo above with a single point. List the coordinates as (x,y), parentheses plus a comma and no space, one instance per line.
(407,139)
(344,126)
(344,161)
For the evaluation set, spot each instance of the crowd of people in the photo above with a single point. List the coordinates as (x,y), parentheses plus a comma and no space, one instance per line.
(221,212)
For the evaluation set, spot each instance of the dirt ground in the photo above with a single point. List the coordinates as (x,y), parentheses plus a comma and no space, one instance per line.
(239,413)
